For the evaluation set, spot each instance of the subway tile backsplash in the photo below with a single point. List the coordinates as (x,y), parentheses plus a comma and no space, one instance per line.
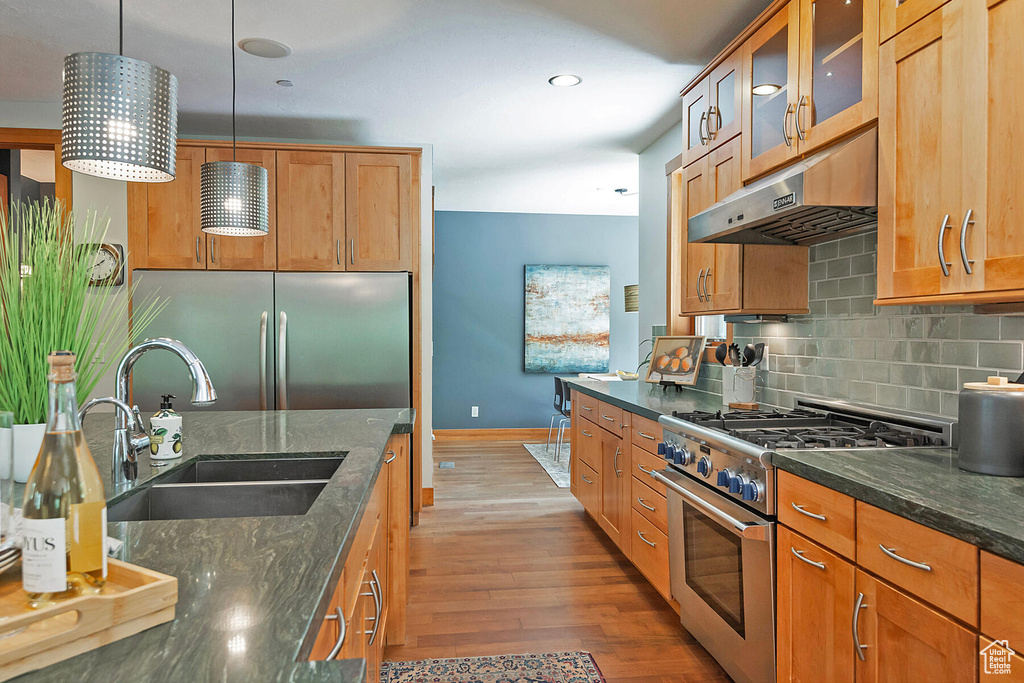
(910,357)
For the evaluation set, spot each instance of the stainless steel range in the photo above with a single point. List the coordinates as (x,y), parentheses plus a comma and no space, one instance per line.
(721,511)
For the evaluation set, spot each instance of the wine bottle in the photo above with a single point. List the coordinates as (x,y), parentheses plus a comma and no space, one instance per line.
(64,511)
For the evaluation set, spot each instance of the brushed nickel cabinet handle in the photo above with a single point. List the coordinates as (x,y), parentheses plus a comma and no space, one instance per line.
(585,432)
(584,478)
(615,462)
(963,241)
(644,539)
(342,632)
(796,119)
(799,554)
(800,509)
(378,599)
(263,361)
(700,128)
(198,259)
(707,276)
(585,407)
(352,251)
(942,248)
(856,621)
(891,553)
(607,417)
(646,436)
(643,469)
(785,126)
(337,251)
(641,501)
(391,459)
(700,277)
(213,249)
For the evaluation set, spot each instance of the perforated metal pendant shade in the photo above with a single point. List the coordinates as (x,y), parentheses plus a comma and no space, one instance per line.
(233,199)
(120,118)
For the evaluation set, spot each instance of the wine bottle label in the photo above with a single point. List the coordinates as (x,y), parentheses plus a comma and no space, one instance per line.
(44,555)
(87,525)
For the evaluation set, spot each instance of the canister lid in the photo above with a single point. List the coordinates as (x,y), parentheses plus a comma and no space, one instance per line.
(994,384)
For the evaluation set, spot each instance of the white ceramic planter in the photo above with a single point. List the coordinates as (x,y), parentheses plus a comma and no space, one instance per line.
(27,441)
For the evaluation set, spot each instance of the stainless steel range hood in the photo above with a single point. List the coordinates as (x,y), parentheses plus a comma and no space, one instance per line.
(829,195)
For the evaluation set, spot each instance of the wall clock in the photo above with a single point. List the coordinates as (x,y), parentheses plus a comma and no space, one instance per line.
(107,264)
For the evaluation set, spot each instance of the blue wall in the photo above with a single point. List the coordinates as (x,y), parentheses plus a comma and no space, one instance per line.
(478,308)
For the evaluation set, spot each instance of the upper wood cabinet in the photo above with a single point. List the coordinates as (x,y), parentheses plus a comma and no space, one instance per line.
(810,77)
(712,109)
(897,15)
(311,211)
(246,253)
(163,218)
(950,106)
(379,218)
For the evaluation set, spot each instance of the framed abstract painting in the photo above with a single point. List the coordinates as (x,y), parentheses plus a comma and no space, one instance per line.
(567,318)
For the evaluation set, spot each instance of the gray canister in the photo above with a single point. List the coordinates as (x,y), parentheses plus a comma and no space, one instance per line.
(991,418)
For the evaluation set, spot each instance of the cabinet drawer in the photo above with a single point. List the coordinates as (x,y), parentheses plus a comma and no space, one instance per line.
(610,417)
(590,489)
(896,15)
(643,464)
(817,512)
(1002,600)
(649,552)
(646,433)
(590,445)
(586,405)
(945,572)
(650,504)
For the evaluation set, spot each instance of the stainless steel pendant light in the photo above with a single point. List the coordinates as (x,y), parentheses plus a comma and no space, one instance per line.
(120,116)
(233,195)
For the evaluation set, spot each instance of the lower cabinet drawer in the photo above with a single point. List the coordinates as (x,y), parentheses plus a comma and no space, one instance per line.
(643,464)
(589,447)
(590,489)
(1002,601)
(650,504)
(649,552)
(817,512)
(646,433)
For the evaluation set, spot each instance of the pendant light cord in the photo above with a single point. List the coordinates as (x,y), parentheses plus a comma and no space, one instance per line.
(234,139)
(120,27)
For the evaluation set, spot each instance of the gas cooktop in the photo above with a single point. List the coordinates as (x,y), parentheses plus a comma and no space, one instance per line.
(804,427)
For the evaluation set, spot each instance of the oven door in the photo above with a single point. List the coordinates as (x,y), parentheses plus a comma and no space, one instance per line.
(722,564)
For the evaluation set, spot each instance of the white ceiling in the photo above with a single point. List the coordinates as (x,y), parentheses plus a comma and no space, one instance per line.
(468,76)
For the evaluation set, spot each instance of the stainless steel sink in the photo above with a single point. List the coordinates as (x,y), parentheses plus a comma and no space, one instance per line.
(209,489)
(208,501)
(255,469)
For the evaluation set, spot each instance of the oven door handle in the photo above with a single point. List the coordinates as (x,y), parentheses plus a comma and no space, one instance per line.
(756,532)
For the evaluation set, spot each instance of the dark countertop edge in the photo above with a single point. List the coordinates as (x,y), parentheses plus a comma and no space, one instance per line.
(642,411)
(901,505)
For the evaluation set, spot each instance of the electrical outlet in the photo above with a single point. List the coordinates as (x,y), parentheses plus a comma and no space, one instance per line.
(474,411)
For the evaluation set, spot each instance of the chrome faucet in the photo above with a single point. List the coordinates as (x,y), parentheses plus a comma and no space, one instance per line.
(133,441)
(125,461)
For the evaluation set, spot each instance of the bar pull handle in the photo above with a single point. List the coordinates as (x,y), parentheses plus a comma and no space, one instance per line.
(963,241)
(342,632)
(263,361)
(800,509)
(700,128)
(785,126)
(198,258)
(213,249)
(942,249)
(856,622)
(391,459)
(646,436)
(891,553)
(585,432)
(352,252)
(643,469)
(615,463)
(796,119)
(700,278)
(337,251)
(282,362)
(707,276)
(799,554)
(645,505)
(584,478)
(378,600)
(644,539)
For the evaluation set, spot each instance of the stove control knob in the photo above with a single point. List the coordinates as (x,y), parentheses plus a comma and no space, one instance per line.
(684,456)
(725,476)
(753,491)
(661,448)
(678,455)
(704,467)
(737,483)
(670,453)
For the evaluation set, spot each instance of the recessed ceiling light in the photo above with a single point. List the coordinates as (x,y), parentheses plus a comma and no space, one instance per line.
(285,83)
(264,47)
(565,80)
(766,89)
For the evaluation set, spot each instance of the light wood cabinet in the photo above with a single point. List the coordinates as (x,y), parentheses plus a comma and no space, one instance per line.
(730,278)
(311,211)
(590,489)
(163,218)
(818,512)
(379,218)
(907,640)
(615,483)
(712,110)
(1002,600)
(897,15)
(815,606)
(247,253)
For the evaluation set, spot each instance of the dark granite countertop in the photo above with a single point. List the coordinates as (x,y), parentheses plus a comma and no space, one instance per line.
(648,400)
(248,588)
(921,484)
(926,486)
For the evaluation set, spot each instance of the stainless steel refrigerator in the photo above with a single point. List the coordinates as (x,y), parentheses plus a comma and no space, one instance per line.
(294,341)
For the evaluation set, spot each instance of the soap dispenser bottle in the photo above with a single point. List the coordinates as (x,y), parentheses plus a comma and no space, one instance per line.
(165,432)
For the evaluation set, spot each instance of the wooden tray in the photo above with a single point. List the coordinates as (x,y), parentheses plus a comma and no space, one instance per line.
(133,600)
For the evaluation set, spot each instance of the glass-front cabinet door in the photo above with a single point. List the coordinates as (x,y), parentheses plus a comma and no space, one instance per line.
(696,136)
(725,87)
(838,69)
(770,74)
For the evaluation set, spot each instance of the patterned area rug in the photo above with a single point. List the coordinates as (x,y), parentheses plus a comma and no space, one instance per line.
(556,667)
(545,455)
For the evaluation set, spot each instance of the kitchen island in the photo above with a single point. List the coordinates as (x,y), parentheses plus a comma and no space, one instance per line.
(251,591)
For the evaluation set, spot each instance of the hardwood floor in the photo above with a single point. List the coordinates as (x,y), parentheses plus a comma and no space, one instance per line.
(505,563)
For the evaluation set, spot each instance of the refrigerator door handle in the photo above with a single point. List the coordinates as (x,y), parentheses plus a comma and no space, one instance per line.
(263,361)
(282,363)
